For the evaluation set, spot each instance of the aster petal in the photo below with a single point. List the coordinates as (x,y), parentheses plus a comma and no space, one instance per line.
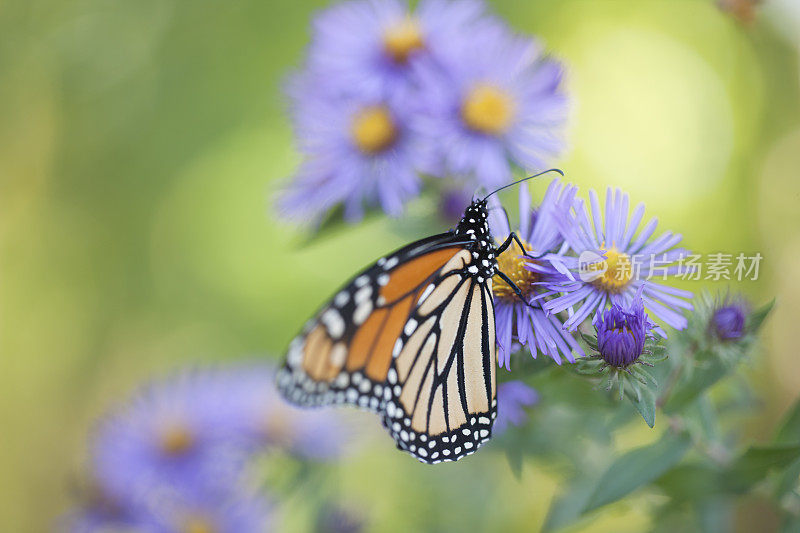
(622,217)
(561,303)
(670,290)
(592,302)
(670,317)
(523,326)
(664,242)
(636,218)
(546,338)
(503,326)
(563,335)
(498,219)
(643,236)
(610,217)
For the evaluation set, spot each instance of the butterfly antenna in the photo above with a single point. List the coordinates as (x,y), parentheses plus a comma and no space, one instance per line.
(523,179)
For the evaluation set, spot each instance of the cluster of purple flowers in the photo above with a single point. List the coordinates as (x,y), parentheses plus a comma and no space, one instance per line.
(558,296)
(388,94)
(173,457)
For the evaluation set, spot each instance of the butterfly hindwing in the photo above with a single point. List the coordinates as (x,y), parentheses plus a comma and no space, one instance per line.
(443,375)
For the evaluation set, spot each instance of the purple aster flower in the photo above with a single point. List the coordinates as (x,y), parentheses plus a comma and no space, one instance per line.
(728,320)
(193,433)
(491,100)
(357,151)
(271,422)
(177,435)
(533,274)
(233,513)
(368,47)
(612,266)
(512,397)
(621,333)
(102,516)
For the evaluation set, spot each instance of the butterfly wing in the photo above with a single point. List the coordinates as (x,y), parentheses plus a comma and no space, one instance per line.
(411,337)
(443,400)
(346,349)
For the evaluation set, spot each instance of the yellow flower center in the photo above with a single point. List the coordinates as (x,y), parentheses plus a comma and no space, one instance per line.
(618,272)
(488,109)
(197,524)
(512,264)
(403,39)
(176,440)
(373,129)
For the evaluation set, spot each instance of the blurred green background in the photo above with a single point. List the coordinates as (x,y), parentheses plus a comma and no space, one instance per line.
(141,143)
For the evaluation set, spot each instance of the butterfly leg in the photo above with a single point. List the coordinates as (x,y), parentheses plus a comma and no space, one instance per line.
(516,289)
(512,238)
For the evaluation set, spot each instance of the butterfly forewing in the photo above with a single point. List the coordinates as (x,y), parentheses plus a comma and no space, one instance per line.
(412,337)
(344,352)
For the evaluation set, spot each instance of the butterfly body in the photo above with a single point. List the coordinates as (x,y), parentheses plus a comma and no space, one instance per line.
(411,337)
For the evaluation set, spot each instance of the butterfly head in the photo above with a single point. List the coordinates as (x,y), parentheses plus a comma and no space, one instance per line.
(474,224)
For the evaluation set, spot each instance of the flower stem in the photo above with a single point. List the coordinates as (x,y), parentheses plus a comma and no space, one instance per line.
(674,376)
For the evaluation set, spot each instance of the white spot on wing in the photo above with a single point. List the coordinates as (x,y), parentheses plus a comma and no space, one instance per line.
(362,294)
(362,312)
(341,299)
(338,355)
(426,293)
(333,321)
(295,355)
(398,346)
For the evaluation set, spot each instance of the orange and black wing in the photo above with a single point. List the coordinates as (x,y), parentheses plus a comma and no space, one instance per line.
(412,337)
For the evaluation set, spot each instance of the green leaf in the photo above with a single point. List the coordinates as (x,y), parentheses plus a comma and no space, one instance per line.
(690,482)
(788,480)
(514,457)
(569,507)
(591,340)
(754,465)
(701,379)
(648,377)
(699,481)
(646,404)
(638,468)
(789,430)
(757,317)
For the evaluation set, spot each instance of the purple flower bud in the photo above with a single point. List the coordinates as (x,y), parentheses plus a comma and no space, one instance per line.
(621,333)
(727,322)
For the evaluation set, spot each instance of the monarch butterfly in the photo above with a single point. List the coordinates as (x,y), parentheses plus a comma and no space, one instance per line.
(412,337)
